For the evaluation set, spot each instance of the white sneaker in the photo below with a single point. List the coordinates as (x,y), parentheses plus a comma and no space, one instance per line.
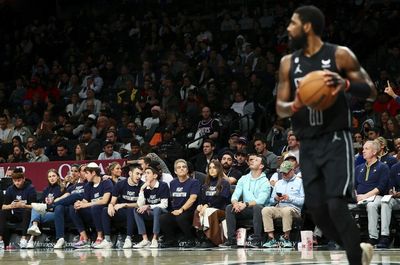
(23,243)
(39,207)
(34,230)
(105,244)
(142,244)
(127,244)
(367,253)
(154,243)
(31,244)
(1,244)
(60,243)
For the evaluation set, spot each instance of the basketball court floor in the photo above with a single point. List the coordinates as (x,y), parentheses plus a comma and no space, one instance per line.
(185,256)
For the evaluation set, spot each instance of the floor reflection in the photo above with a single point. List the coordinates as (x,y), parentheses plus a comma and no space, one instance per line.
(186,256)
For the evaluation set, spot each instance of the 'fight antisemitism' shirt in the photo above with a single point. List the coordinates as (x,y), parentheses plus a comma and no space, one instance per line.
(77,188)
(92,193)
(181,191)
(155,195)
(51,191)
(215,199)
(125,192)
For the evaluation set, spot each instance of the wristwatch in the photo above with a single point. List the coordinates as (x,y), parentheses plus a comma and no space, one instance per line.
(247,204)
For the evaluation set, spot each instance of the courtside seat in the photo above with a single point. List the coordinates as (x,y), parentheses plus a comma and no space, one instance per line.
(361,217)
(294,233)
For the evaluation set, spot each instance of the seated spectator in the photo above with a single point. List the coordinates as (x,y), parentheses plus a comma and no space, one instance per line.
(383,154)
(103,126)
(45,128)
(72,176)
(241,145)
(260,145)
(18,155)
(232,144)
(154,119)
(80,152)
(287,199)
(169,149)
(232,174)
(293,146)
(215,195)
(122,206)
(153,160)
(134,150)
(371,180)
(108,152)
(114,172)
(50,193)
(93,146)
(38,151)
(374,133)
(388,206)
(73,107)
(202,159)
(278,175)
(111,136)
(208,126)
(61,205)
(241,162)
(5,130)
(87,211)
(62,153)
(20,130)
(87,122)
(91,104)
(254,191)
(152,202)
(183,193)
(17,206)
(244,107)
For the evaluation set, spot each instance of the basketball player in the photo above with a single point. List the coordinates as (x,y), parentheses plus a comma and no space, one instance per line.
(326,148)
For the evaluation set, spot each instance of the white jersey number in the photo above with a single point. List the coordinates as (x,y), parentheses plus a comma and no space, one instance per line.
(316,117)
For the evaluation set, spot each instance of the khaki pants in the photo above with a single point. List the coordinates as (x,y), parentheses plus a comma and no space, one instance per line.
(286,213)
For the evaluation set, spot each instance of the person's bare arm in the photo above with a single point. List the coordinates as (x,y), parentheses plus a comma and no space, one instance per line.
(358,82)
(284,107)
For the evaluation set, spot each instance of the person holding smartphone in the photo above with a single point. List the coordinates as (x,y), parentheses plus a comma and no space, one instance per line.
(17,206)
(287,199)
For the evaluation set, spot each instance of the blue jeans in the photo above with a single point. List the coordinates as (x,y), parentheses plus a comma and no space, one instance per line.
(41,218)
(153,214)
(60,208)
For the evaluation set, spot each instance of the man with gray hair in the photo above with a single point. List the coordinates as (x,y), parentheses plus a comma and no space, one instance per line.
(371,181)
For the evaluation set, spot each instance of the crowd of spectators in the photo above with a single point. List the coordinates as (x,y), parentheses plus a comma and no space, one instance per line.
(149,80)
(141,75)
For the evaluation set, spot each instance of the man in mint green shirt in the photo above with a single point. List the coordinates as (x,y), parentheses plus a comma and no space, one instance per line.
(252,193)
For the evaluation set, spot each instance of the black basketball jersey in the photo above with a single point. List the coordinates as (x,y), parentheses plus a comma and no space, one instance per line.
(310,123)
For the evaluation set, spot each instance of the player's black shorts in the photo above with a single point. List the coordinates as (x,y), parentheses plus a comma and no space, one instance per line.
(327,167)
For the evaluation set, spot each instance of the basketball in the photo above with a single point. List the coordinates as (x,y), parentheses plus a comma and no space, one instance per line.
(314,92)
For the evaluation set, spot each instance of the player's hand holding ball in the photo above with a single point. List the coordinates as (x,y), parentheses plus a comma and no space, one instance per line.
(319,89)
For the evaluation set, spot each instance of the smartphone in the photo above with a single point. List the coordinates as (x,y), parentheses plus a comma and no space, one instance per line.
(279,194)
